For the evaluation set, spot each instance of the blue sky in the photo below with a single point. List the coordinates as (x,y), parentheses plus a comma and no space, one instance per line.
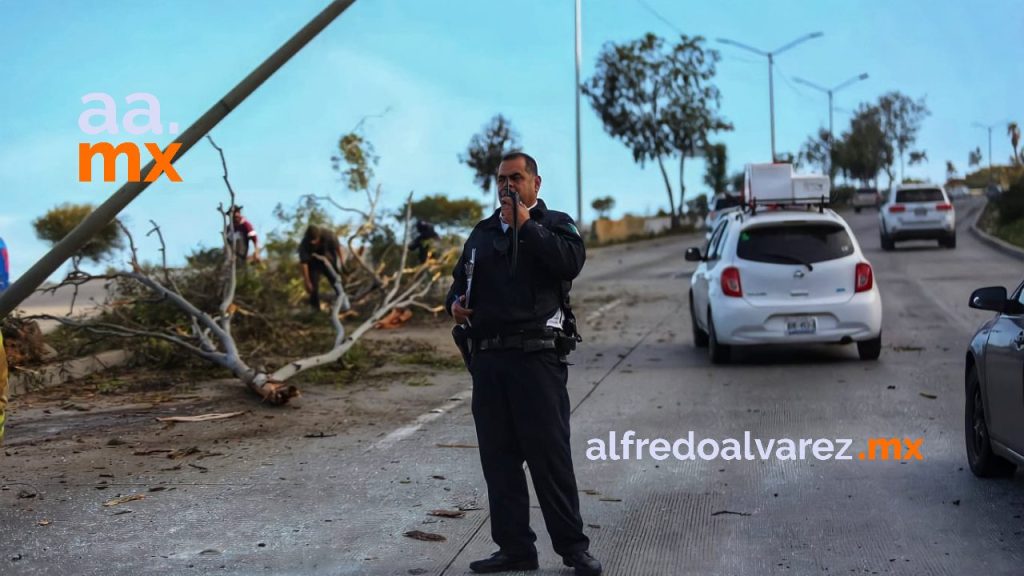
(442,69)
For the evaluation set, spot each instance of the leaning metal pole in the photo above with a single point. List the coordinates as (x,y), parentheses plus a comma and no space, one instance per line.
(106,212)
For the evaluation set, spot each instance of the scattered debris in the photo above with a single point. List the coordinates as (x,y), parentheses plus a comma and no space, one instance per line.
(27,493)
(120,512)
(425,536)
(73,406)
(438,477)
(198,467)
(456,445)
(956,502)
(890,387)
(44,522)
(177,454)
(150,452)
(115,442)
(447,513)
(907,348)
(594,526)
(927,395)
(720,512)
(609,499)
(469,507)
(158,488)
(417,571)
(590,492)
(319,435)
(395,319)
(201,417)
(123,499)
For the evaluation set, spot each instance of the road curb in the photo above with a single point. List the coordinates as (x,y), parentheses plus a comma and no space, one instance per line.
(1000,245)
(24,381)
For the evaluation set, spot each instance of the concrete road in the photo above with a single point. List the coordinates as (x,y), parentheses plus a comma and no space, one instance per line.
(340,505)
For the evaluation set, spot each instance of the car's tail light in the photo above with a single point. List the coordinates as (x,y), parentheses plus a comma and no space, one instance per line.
(3,260)
(897,208)
(944,207)
(731,282)
(863,278)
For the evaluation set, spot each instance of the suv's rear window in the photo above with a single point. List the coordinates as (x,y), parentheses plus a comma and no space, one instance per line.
(726,202)
(920,195)
(794,243)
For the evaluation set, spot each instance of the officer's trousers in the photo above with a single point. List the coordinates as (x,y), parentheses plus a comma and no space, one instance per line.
(521,410)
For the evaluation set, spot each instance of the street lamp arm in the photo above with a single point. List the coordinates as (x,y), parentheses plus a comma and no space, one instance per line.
(741,45)
(811,84)
(857,78)
(797,41)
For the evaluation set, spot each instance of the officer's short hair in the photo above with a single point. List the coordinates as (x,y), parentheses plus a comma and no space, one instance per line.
(531,164)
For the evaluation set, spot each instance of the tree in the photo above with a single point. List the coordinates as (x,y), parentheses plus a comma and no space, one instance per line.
(901,119)
(603,206)
(715,168)
(441,211)
(660,103)
(58,222)
(864,150)
(201,321)
(974,158)
(1013,131)
(918,157)
(816,152)
(737,181)
(950,170)
(486,148)
(698,206)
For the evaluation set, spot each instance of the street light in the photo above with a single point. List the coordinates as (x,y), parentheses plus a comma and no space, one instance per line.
(579,168)
(989,127)
(771,60)
(831,135)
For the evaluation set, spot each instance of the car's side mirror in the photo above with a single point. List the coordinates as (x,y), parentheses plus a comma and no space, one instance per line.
(991,298)
(693,255)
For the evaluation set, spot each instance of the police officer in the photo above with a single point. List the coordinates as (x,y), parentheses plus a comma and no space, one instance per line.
(516,313)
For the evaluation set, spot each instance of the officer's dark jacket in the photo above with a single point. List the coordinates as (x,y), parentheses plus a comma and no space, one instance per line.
(551,254)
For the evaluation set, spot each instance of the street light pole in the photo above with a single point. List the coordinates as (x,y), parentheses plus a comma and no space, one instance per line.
(579,167)
(989,127)
(771,61)
(831,92)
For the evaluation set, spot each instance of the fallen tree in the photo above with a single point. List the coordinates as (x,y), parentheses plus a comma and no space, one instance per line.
(208,335)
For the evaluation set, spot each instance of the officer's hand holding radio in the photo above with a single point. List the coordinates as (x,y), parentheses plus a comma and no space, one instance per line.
(461,314)
(506,211)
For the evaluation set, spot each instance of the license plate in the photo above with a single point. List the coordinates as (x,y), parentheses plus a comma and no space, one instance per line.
(801,325)
(920,211)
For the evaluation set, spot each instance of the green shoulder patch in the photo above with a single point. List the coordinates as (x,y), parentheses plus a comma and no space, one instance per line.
(572,228)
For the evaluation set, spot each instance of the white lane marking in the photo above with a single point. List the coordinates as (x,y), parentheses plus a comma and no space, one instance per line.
(593,315)
(406,431)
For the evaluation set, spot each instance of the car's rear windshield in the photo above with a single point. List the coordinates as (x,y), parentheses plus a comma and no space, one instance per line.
(726,202)
(794,243)
(919,195)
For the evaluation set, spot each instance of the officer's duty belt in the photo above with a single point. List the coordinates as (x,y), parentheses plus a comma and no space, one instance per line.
(524,342)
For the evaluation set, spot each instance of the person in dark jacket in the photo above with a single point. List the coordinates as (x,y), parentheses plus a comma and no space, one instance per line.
(318,251)
(516,311)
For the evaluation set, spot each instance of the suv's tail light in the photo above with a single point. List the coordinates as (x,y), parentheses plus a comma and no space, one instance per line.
(731,282)
(863,278)
(897,208)
(945,206)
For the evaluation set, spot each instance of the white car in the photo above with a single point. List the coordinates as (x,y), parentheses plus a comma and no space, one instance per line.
(917,212)
(794,275)
(720,205)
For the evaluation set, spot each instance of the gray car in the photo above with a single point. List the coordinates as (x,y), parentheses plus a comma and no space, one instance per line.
(994,383)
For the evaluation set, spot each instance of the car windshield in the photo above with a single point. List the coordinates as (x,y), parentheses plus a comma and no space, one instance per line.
(794,242)
(919,195)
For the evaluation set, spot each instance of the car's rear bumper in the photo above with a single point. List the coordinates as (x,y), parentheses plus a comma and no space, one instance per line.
(739,323)
(934,230)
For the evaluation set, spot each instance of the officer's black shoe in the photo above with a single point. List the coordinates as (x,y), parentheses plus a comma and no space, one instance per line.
(583,563)
(502,562)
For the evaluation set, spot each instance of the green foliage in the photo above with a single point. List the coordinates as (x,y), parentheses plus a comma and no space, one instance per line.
(660,102)
(440,211)
(815,152)
(842,195)
(863,152)
(737,181)
(603,206)
(1011,203)
(486,148)
(900,118)
(974,158)
(58,222)
(715,168)
(356,161)
(698,205)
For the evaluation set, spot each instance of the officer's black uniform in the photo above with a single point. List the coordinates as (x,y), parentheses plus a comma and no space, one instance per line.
(520,402)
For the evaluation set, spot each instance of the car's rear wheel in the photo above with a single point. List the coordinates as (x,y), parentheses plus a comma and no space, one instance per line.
(856,209)
(948,242)
(719,353)
(870,349)
(887,244)
(983,461)
(700,337)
